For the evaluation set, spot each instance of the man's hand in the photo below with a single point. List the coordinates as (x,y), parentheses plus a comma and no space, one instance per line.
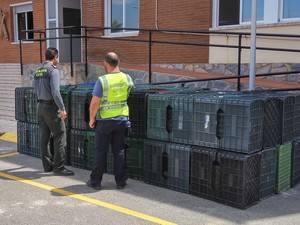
(92,123)
(63,114)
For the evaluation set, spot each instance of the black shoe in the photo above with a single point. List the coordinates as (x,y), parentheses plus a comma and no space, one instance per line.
(48,170)
(64,172)
(96,187)
(121,186)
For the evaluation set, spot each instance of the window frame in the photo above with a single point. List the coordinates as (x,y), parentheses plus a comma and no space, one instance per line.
(107,22)
(15,19)
(282,19)
(274,16)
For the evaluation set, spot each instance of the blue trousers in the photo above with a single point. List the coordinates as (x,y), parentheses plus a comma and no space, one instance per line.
(110,132)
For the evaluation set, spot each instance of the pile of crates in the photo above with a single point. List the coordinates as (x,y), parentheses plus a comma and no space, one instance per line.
(232,147)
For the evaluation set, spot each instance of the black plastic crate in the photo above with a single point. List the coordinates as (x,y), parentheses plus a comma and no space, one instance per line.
(159,120)
(240,123)
(82,149)
(182,114)
(135,158)
(296,163)
(203,172)
(153,166)
(20,110)
(297,115)
(137,103)
(272,122)
(268,172)
(288,118)
(28,139)
(227,177)
(240,178)
(31,106)
(80,103)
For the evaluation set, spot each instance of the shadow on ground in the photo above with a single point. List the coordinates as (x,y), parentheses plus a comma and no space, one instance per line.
(284,204)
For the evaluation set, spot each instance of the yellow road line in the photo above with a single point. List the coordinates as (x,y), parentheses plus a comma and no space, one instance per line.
(87,199)
(8,155)
(11,137)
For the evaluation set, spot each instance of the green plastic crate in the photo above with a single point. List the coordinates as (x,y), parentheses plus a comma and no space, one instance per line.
(159,121)
(284,167)
(135,158)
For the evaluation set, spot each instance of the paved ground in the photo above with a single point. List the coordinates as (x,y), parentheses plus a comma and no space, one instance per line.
(8,126)
(35,203)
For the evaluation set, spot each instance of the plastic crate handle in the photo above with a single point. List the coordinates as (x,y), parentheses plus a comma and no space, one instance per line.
(27,138)
(87,110)
(216,175)
(169,119)
(220,124)
(165,165)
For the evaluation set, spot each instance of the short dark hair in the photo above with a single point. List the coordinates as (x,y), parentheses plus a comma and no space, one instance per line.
(51,53)
(112,59)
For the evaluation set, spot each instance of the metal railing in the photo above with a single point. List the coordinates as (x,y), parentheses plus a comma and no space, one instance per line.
(85,30)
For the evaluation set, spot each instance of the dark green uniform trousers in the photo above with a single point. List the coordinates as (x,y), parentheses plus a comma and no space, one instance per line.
(50,123)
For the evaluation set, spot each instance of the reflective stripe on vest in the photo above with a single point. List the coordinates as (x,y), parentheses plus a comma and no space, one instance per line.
(115,91)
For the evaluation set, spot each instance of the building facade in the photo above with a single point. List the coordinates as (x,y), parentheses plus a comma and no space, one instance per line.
(161,14)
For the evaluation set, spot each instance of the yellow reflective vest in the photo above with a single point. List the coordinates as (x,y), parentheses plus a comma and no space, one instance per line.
(115,91)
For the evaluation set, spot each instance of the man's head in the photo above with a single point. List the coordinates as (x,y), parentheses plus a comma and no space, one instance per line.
(52,55)
(111,62)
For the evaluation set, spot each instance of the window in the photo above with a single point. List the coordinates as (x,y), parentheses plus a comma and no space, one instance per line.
(23,20)
(290,9)
(233,12)
(246,10)
(122,14)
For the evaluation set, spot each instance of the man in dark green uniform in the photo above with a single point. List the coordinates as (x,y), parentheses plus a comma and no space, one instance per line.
(51,114)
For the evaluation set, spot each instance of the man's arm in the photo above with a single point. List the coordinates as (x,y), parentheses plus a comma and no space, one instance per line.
(54,84)
(94,106)
(95,103)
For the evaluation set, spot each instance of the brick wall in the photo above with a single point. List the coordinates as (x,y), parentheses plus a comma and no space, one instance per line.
(9,50)
(175,14)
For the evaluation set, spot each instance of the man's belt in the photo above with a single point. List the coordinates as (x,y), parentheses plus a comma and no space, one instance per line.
(49,102)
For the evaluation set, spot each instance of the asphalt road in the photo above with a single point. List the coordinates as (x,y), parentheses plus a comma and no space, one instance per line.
(32,204)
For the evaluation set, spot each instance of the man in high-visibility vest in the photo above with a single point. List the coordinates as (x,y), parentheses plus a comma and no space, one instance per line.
(109,116)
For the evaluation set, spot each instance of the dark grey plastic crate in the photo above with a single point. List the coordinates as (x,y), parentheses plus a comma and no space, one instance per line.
(153,167)
(202,179)
(82,149)
(28,139)
(80,102)
(182,107)
(296,163)
(297,115)
(227,177)
(159,117)
(205,120)
(20,110)
(239,178)
(177,170)
(272,122)
(31,106)
(167,165)
(268,172)
(241,124)
(288,118)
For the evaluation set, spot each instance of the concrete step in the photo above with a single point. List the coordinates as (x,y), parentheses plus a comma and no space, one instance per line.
(11,80)
(7,109)
(10,73)
(11,86)
(7,118)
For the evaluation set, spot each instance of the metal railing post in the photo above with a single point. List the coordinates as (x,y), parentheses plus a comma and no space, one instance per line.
(86,53)
(150,57)
(239,63)
(71,52)
(21,56)
(41,54)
